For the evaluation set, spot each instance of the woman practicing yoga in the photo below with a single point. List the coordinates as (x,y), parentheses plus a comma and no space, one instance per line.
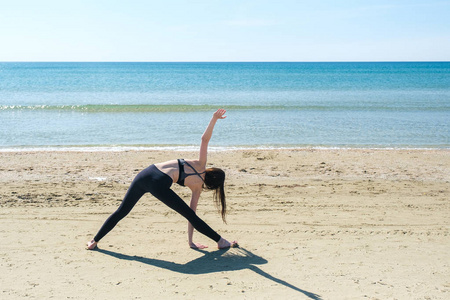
(157,180)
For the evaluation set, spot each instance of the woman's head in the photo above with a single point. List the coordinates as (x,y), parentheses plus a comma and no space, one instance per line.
(215,180)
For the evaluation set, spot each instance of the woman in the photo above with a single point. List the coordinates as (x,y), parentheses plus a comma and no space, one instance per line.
(157,180)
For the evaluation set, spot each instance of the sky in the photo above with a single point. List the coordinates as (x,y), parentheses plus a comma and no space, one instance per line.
(225,30)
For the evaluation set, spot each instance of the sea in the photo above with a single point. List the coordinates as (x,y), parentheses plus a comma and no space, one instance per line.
(167,105)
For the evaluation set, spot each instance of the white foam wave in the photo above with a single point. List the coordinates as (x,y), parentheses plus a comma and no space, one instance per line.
(189,148)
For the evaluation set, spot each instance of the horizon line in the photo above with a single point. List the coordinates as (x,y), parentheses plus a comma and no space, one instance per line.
(236,61)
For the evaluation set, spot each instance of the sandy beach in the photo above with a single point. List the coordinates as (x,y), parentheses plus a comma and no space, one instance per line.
(311,224)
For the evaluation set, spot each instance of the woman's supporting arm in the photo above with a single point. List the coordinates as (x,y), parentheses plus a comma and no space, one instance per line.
(193,206)
(206,137)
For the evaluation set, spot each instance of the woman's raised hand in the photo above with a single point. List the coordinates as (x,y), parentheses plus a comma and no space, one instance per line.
(219,114)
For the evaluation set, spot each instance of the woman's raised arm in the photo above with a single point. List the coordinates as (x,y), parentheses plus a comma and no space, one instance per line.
(206,137)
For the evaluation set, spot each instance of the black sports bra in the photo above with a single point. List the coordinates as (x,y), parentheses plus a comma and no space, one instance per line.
(182,175)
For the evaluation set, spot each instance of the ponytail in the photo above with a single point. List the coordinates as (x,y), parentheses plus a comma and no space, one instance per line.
(215,180)
(219,199)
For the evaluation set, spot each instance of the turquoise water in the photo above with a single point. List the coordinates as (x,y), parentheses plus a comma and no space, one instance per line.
(269,104)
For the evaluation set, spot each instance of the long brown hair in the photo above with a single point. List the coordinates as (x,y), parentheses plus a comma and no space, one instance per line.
(215,180)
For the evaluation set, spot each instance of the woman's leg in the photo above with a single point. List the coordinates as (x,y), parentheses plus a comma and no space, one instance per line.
(132,196)
(172,200)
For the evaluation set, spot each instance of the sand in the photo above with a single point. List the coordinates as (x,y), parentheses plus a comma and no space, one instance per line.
(311,224)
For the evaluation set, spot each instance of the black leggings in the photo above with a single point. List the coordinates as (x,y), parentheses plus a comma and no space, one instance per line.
(157,183)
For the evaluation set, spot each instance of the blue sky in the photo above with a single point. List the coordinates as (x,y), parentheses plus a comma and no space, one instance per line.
(227,30)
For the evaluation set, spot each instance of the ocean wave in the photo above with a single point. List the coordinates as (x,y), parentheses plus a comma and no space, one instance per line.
(131,108)
(148,108)
(190,148)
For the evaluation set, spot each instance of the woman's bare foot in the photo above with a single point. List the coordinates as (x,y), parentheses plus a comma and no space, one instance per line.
(91,245)
(197,246)
(223,244)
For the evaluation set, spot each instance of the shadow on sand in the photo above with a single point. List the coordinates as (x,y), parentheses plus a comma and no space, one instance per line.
(215,261)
